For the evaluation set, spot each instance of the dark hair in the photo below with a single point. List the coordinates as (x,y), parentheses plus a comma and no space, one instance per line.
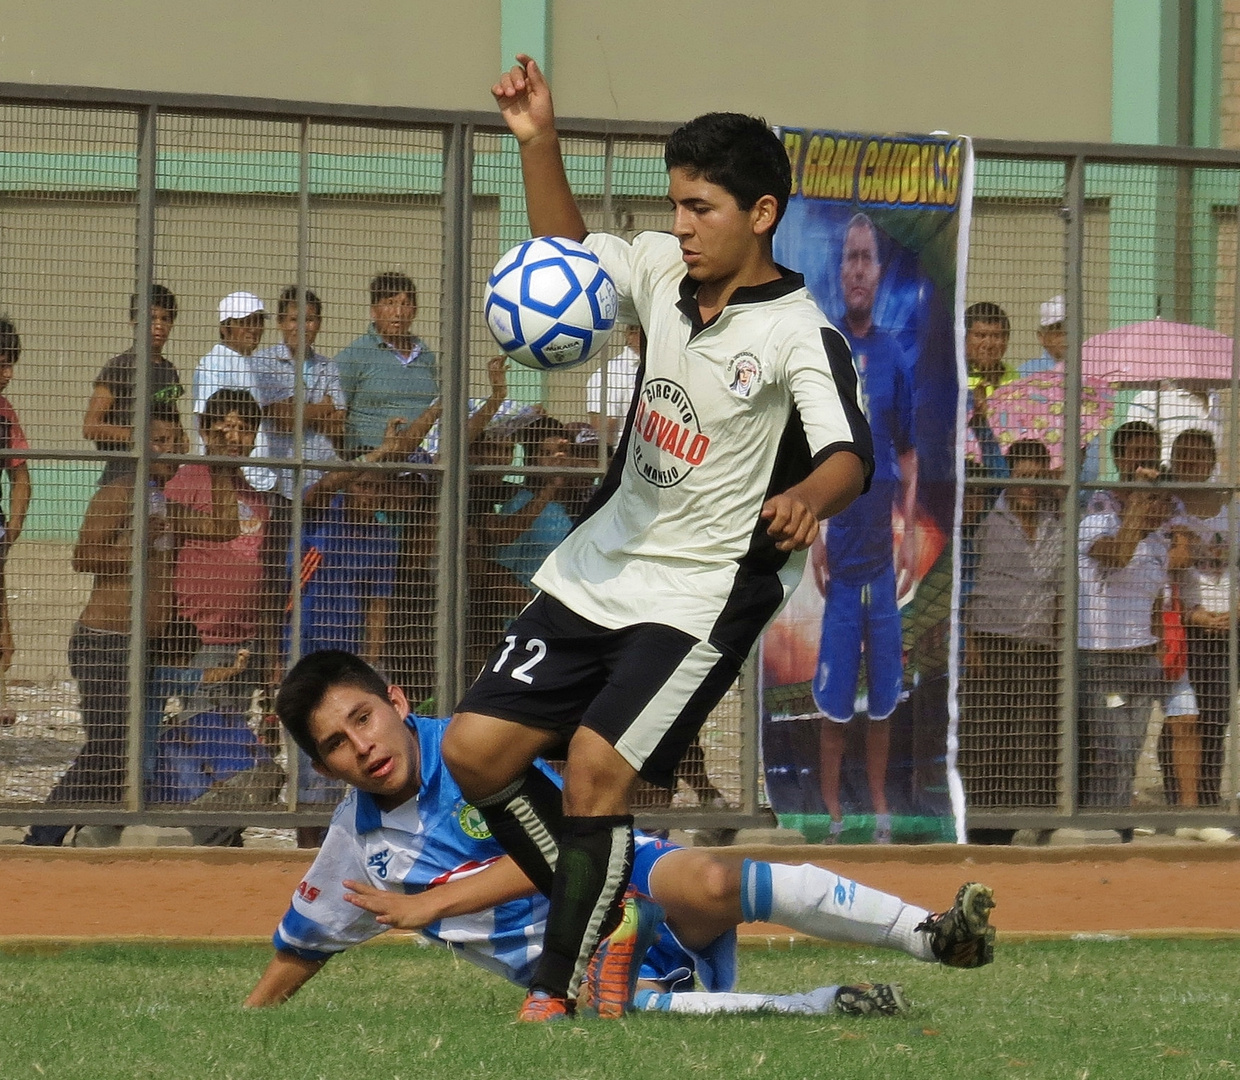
(739,153)
(166,411)
(304,688)
(161,297)
(1029,450)
(986,311)
(1125,433)
(288,299)
(392,283)
(10,340)
(1197,435)
(533,435)
(229,400)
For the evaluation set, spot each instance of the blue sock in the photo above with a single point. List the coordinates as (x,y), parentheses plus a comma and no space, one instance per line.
(757,891)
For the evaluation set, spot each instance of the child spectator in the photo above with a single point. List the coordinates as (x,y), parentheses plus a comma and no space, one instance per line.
(347,568)
(220,586)
(99,646)
(109,414)
(324,412)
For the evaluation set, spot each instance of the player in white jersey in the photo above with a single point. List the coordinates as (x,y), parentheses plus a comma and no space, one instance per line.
(745,432)
(405,849)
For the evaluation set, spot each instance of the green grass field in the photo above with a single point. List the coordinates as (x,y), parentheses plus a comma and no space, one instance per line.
(1078,1010)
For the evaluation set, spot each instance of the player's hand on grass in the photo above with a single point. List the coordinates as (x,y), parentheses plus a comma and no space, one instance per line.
(793,525)
(401,911)
(524,100)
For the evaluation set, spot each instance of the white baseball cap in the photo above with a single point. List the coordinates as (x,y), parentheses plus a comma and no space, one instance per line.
(239,305)
(1052,311)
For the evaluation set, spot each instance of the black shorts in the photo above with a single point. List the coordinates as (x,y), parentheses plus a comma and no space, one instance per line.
(647,688)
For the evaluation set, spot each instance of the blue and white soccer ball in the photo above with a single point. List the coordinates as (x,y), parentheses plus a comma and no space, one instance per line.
(549,303)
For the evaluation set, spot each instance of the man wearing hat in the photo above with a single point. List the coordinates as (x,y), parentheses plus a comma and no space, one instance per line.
(1052,336)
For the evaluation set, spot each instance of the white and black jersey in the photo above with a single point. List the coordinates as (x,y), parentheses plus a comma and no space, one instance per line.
(726,415)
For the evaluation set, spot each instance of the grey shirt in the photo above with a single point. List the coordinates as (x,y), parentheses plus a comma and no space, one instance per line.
(1019,581)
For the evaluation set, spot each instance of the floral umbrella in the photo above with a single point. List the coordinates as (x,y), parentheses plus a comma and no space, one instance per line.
(1032,408)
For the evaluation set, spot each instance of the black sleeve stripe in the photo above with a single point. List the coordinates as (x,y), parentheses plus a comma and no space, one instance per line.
(837,447)
(839,356)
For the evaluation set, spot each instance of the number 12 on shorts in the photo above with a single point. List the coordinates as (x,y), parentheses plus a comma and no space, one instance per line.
(537,650)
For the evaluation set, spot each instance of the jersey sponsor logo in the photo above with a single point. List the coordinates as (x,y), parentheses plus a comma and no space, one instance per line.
(744,374)
(667,439)
(307,892)
(472,823)
(378,862)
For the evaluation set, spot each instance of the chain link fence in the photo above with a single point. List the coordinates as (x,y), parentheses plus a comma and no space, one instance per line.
(189,280)
(1098,595)
(189,276)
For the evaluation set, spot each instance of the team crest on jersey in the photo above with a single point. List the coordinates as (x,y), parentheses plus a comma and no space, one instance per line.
(378,862)
(472,823)
(744,374)
(667,439)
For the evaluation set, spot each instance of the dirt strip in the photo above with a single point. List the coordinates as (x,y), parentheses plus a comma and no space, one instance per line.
(222,894)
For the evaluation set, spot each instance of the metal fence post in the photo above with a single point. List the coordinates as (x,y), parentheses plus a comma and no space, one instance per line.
(144,272)
(1074,263)
(454,395)
(1233,517)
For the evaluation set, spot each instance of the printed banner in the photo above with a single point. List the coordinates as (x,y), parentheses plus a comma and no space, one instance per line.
(855,671)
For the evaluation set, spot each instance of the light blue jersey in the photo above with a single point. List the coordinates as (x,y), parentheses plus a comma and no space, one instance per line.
(433,838)
(426,841)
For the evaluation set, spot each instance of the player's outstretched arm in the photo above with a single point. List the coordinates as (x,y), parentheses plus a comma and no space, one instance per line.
(496,884)
(794,514)
(285,975)
(524,101)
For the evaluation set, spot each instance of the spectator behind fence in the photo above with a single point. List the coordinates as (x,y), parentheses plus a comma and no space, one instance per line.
(345,572)
(230,365)
(221,586)
(100,642)
(109,416)
(1174,410)
(388,371)
(391,372)
(621,380)
(324,412)
(539,515)
(1009,718)
(1123,559)
(1190,745)
(11,522)
(986,333)
(1053,337)
(494,594)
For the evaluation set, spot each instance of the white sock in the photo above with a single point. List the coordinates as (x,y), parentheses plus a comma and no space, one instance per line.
(816,1003)
(824,905)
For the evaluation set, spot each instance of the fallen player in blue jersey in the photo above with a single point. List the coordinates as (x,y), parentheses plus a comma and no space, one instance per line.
(406,850)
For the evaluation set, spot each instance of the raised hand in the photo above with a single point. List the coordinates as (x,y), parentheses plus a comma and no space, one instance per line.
(524,100)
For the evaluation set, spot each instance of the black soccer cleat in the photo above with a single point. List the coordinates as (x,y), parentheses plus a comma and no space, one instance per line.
(886,999)
(962,936)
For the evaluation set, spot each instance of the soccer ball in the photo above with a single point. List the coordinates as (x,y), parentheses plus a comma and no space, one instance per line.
(549,303)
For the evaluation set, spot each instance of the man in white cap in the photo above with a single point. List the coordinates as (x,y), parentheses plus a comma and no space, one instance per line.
(228,366)
(1052,336)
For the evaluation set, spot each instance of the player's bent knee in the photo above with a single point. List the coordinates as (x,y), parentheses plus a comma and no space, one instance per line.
(718,882)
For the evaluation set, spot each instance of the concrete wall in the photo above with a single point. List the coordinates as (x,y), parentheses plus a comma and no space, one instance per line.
(983,67)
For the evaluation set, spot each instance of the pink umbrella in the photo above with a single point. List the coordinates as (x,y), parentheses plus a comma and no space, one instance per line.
(1150,354)
(1032,408)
